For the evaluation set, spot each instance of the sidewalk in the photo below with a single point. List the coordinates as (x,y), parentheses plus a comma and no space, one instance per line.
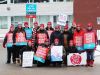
(13,69)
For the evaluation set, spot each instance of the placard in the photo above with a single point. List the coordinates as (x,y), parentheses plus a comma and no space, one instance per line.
(56,53)
(28,33)
(31,10)
(62,19)
(41,54)
(74,59)
(27,59)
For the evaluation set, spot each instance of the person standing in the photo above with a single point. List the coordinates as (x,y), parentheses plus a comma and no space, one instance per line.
(19,40)
(78,38)
(34,44)
(56,35)
(42,35)
(28,31)
(49,29)
(8,42)
(90,41)
(66,36)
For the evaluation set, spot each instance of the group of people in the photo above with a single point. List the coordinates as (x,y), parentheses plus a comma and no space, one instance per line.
(74,40)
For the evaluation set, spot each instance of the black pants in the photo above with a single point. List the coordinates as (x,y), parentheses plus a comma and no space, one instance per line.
(17,51)
(57,63)
(9,54)
(98,42)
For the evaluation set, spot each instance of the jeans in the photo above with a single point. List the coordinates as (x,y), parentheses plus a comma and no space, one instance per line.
(90,54)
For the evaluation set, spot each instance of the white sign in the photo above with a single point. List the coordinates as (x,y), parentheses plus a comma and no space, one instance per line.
(56,53)
(62,19)
(98,34)
(76,59)
(27,59)
(98,20)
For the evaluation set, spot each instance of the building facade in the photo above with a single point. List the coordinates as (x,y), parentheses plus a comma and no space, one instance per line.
(14,11)
(87,11)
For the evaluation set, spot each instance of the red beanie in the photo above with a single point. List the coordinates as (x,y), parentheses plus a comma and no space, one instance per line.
(49,23)
(41,25)
(90,24)
(79,25)
(25,23)
(35,22)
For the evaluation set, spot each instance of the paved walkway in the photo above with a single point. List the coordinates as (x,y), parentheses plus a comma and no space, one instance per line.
(12,69)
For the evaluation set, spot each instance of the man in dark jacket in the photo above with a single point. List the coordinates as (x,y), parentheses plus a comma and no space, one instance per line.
(56,35)
(66,36)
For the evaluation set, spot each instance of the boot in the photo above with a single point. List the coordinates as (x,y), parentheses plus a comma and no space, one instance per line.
(88,63)
(91,63)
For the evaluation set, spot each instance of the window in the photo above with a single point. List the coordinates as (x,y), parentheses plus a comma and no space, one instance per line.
(62,0)
(3,23)
(70,20)
(16,19)
(28,1)
(3,1)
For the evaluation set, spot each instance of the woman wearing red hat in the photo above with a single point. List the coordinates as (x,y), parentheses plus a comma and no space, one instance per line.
(42,35)
(28,31)
(90,40)
(78,38)
(19,40)
(8,42)
(36,27)
(49,28)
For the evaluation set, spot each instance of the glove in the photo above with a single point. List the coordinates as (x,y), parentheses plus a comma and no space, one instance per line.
(4,46)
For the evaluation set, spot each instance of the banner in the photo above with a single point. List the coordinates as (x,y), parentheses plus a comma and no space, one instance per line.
(31,10)
(27,59)
(74,59)
(56,53)
(41,54)
(62,19)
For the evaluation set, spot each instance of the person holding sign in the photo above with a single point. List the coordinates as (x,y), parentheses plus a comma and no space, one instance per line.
(90,40)
(56,53)
(70,49)
(41,55)
(28,31)
(8,42)
(42,35)
(78,37)
(19,40)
